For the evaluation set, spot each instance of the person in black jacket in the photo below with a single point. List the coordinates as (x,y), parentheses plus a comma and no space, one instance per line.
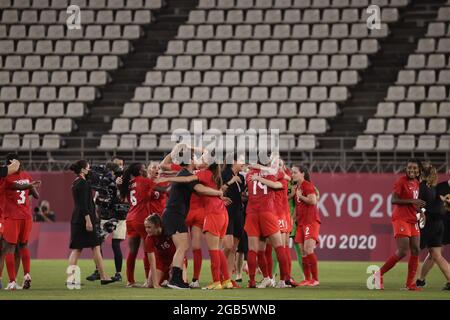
(432,234)
(83,230)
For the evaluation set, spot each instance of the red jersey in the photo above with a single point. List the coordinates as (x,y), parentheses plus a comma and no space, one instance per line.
(162,246)
(139,196)
(16,202)
(406,189)
(158,200)
(281,197)
(212,205)
(175,167)
(260,196)
(2,196)
(306,213)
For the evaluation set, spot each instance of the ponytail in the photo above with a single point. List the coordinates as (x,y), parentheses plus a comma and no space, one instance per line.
(134,170)
(217,176)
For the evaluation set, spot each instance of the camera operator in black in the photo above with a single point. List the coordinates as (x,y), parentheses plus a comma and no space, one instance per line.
(112,214)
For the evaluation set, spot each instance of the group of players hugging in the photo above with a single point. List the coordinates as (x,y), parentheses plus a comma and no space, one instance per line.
(257,210)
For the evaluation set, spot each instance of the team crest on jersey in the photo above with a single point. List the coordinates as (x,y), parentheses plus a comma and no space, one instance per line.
(23,181)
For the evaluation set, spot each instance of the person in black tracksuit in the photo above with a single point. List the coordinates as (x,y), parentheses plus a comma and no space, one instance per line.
(432,235)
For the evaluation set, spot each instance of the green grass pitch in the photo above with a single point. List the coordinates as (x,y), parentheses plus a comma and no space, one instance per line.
(339,280)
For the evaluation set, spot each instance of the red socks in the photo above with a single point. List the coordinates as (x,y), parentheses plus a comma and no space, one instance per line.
(269,260)
(10,266)
(289,259)
(26,261)
(214,256)
(389,264)
(197,255)
(131,262)
(312,259)
(282,259)
(262,263)
(146,265)
(412,269)
(251,262)
(306,268)
(224,266)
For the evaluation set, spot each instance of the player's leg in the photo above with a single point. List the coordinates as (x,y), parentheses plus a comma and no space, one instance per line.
(253,245)
(105,279)
(10,239)
(26,264)
(298,252)
(262,263)
(427,265)
(413,262)
(277,242)
(182,243)
(133,245)
(436,254)
(213,243)
(196,235)
(311,260)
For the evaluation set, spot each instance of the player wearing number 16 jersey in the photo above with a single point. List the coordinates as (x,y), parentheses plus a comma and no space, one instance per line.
(17,221)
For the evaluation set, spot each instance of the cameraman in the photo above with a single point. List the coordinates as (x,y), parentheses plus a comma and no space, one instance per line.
(112,217)
(43,213)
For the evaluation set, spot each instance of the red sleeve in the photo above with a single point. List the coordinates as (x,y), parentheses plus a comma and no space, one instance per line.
(175,167)
(203,176)
(308,189)
(149,184)
(9,184)
(398,186)
(148,245)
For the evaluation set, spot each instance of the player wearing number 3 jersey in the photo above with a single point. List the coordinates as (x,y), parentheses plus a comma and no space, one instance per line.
(308,224)
(17,221)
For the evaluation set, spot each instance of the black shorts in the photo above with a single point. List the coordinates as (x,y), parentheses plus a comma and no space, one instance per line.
(174,223)
(235,223)
(243,243)
(432,235)
(446,238)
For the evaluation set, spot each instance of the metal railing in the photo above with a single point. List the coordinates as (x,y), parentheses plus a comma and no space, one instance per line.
(331,154)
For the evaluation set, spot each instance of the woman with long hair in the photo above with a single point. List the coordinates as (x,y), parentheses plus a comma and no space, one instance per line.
(137,189)
(432,234)
(308,224)
(405,197)
(83,231)
(215,222)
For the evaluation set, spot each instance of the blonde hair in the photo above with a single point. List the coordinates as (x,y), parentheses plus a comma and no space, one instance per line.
(429,174)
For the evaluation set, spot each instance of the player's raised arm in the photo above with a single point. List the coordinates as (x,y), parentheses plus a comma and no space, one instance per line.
(310,199)
(13,167)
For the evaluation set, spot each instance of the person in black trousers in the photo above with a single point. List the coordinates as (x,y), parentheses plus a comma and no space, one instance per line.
(83,228)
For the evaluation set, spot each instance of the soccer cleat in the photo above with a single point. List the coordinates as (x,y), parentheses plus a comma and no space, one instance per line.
(292,283)
(164,284)
(13,286)
(251,284)
(282,285)
(379,275)
(235,285)
(132,285)
(313,283)
(227,284)
(214,286)
(194,284)
(447,286)
(274,282)
(413,287)
(26,281)
(178,285)
(105,282)
(265,283)
(421,283)
(304,283)
(238,279)
(117,277)
(94,276)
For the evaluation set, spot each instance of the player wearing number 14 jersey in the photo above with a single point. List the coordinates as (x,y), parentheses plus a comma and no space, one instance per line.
(262,222)
(17,222)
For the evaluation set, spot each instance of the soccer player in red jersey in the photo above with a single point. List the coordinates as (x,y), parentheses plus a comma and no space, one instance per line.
(308,224)
(405,196)
(160,250)
(215,223)
(17,221)
(137,188)
(262,222)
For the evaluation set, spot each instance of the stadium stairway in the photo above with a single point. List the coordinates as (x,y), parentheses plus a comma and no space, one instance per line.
(382,73)
(147,48)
